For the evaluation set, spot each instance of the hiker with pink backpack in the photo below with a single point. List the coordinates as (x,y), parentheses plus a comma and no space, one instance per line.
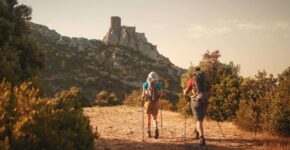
(152,91)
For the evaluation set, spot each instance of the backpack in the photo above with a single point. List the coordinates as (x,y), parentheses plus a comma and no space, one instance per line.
(152,91)
(201,84)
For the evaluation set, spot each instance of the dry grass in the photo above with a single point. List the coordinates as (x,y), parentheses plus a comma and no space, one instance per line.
(120,128)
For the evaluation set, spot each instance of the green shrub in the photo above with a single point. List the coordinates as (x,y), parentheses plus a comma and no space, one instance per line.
(166,104)
(280,119)
(266,114)
(31,122)
(280,114)
(104,98)
(133,99)
(267,104)
(73,97)
(224,102)
(248,117)
(183,105)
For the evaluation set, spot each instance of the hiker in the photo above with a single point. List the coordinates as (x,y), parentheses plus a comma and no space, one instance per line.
(152,91)
(199,95)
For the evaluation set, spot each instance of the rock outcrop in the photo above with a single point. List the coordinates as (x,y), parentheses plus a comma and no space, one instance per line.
(127,36)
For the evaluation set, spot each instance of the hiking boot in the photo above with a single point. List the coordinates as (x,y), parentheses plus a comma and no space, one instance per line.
(149,134)
(156,134)
(202,141)
(196,134)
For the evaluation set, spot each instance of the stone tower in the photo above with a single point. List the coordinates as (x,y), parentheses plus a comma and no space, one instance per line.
(114,34)
(116,22)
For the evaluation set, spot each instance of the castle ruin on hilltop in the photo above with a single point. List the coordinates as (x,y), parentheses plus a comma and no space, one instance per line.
(127,36)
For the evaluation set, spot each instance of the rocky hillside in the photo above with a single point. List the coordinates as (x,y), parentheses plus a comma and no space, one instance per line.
(95,65)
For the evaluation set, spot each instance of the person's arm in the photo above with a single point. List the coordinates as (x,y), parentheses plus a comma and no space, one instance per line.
(145,86)
(188,87)
(143,94)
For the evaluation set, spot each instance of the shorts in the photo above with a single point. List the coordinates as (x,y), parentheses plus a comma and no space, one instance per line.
(199,109)
(151,107)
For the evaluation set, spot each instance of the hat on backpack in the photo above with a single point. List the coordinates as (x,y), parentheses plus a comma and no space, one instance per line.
(153,76)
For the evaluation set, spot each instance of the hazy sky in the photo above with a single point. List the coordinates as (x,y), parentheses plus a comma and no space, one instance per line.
(252,33)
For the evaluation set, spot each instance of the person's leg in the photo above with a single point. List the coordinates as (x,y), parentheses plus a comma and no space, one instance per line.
(148,122)
(156,126)
(149,125)
(195,107)
(199,126)
(204,106)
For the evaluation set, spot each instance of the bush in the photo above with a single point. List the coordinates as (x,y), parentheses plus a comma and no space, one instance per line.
(183,105)
(73,96)
(166,105)
(280,119)
(134,99)
(31,122)
(248,117)
(266,114)
(280,116)
(104,98)
(267,107)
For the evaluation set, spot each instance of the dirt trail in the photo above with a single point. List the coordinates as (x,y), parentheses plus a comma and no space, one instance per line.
(120,128)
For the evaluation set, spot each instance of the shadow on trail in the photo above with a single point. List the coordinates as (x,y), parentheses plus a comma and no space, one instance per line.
(112,144)
(216,144)
(239,143)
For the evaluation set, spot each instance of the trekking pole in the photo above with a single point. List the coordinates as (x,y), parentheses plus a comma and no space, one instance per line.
(161,115)
(219,124)
(185,120)
(220,113)
(143,120)
(220,129)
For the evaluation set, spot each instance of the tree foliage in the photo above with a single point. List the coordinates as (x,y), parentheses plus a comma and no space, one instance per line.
(224,101)
(265,104)
(19,56)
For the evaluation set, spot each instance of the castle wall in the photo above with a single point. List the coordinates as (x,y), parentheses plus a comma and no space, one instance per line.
(131,29)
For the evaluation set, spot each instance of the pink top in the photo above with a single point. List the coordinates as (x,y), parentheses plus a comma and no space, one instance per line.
(190,84)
